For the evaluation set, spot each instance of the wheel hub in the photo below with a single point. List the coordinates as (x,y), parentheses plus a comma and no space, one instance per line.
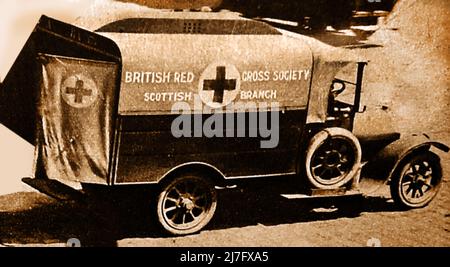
(332,158)
(419,177)
(186,203)
(331,164)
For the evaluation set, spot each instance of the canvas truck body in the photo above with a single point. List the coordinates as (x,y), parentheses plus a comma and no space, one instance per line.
(266,65)
(188,101)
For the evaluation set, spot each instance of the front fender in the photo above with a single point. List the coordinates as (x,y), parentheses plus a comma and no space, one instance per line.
(389,158)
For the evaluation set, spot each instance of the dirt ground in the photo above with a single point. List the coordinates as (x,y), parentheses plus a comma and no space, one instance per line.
(252,218)
(405,89)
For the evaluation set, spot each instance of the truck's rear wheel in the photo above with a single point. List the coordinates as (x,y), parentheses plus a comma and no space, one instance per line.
(418,180)
(333,158)
(186,204)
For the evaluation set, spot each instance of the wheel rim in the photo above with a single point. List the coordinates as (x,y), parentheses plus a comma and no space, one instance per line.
(187,203)
(419,182)
(332,161)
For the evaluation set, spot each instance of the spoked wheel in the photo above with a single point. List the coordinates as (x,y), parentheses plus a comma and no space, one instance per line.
(333,158)
(186,204)
(418,181)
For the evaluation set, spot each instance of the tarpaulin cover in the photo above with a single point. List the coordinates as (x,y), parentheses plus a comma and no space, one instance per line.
(75,118)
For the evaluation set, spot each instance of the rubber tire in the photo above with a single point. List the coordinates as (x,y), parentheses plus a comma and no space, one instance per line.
(165,225)
(317,140)
(395,186)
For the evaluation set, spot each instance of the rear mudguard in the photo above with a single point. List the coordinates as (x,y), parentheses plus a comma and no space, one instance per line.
(387,160)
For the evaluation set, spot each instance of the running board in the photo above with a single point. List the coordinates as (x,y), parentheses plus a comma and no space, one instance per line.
(318,193)
(53,188)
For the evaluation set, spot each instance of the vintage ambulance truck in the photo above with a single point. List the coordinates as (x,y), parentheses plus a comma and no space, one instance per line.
(190,101)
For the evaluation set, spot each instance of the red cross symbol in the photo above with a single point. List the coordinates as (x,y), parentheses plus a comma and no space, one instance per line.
(79,91)
(219,85)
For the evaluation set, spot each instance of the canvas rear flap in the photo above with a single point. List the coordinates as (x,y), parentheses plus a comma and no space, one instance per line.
(75,115)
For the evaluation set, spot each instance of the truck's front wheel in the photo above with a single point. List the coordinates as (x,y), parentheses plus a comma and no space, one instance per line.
(417,180)
(186,204)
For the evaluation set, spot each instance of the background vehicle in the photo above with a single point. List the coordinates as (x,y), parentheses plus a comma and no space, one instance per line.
(314,14)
